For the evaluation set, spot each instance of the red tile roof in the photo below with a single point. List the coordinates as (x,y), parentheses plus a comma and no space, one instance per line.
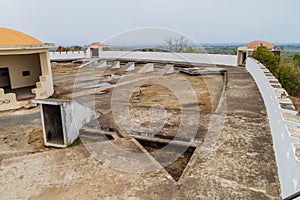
(97,44)
(257,43)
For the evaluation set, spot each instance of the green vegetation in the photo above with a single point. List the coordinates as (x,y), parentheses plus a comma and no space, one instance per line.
(266,57)
(296,59)
(286,71)
(70,48)
(225,50)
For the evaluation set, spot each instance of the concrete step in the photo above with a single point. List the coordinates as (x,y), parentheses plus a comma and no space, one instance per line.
(43,78)
(39,85)
(34,90)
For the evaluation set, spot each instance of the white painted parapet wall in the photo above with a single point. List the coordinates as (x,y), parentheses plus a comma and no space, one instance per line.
(283,125)
(194,58)
(71,55)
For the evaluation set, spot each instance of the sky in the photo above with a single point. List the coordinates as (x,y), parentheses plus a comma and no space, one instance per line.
(71,22)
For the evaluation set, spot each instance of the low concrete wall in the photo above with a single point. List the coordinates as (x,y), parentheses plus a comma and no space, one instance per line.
(284,142)
(193,58)
(70,55)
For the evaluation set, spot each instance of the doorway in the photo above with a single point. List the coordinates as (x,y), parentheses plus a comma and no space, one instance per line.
(95,52)
(4,78)
(244,57)
(53,124)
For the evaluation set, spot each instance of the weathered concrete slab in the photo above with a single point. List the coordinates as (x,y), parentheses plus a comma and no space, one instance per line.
(242,166)
(97,86)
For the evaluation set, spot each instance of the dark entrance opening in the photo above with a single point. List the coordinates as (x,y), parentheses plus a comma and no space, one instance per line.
(53,124)
(244,58)
(95,53)
(4,78)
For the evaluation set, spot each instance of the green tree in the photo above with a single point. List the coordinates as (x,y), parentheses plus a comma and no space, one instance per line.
(266,57)
(234,51)
(75,48)
(296,59)
(287,75)
(289,78)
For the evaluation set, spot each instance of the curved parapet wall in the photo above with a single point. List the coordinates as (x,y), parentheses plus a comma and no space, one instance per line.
(285,125)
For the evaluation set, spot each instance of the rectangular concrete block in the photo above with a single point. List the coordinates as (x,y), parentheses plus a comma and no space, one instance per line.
(149,67)
(101,63)
(62,120)
(115,65)
(169,69)
(129,67)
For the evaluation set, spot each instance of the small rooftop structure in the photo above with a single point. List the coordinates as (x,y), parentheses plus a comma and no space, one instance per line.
(62,119)
(95,47)
(246,51)
(25,71)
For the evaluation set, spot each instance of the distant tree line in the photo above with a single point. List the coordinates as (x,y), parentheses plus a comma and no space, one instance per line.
(183,45)
(286,71)
(70,48)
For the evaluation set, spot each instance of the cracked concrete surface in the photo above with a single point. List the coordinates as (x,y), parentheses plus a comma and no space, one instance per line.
(242,166)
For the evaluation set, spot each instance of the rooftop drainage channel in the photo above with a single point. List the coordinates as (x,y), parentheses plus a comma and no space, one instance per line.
(166,137)
(177,168)
(202,71)
(94,132)
(88,136)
